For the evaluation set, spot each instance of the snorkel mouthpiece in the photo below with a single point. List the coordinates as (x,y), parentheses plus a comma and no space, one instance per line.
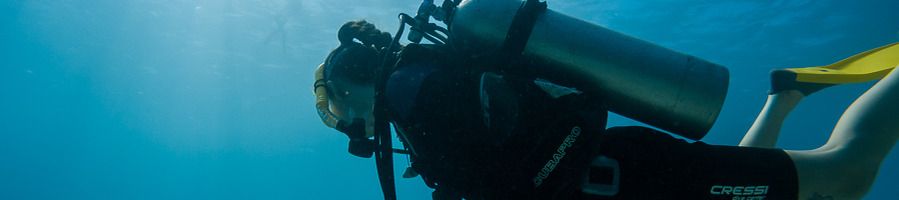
(359,145)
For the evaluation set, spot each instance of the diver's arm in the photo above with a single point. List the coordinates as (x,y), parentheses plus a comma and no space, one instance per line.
(766,128)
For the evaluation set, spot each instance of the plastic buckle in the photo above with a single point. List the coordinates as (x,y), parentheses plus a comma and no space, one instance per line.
(599,181)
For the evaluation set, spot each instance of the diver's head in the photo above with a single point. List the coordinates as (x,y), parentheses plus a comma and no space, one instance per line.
(349,74)
(345,82)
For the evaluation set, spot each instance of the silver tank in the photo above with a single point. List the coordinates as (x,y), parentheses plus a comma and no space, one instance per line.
(672,91)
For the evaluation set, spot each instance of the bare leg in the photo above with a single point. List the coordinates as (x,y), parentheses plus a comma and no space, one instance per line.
(845,167)
(766,128)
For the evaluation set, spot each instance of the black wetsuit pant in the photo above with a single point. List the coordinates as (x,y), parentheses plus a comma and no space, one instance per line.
(655,165)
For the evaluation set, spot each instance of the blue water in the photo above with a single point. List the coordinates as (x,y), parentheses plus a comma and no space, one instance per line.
(211,99)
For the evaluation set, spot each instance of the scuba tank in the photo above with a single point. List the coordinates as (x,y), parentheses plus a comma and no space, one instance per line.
(679,93)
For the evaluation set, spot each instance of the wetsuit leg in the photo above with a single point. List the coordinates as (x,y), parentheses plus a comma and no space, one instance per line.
(654,165)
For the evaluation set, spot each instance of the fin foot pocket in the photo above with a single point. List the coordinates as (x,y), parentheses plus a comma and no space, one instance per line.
(784,79)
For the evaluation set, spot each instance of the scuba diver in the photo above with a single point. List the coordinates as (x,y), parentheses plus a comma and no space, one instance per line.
(510,100)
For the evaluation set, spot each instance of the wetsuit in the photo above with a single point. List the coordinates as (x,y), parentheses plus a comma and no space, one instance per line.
(478,134)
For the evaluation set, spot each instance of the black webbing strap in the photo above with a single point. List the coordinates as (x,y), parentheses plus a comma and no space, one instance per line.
(521,28)
(384,161)
(383,140)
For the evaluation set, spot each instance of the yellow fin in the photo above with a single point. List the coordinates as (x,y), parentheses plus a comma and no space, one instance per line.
(866,66)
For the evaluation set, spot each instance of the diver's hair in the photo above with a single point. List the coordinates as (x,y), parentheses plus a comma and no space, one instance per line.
(354,61)
(365,32)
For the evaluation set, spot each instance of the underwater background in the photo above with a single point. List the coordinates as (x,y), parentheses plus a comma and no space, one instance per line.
(212,99)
